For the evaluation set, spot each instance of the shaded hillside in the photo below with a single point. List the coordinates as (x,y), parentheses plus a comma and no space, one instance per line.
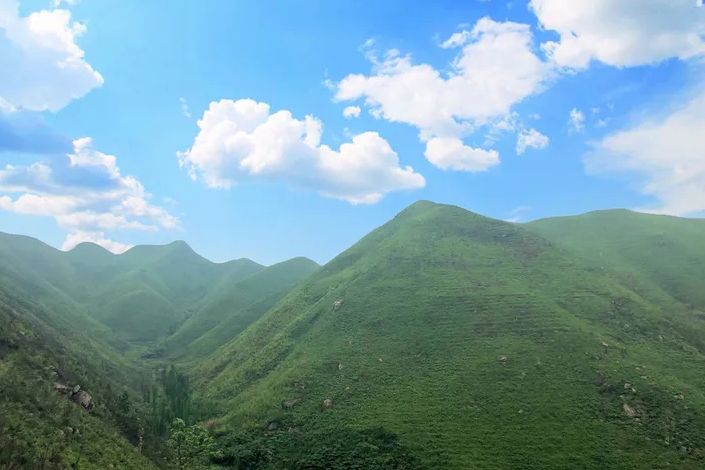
(481,345)
(141,295)
(232,306)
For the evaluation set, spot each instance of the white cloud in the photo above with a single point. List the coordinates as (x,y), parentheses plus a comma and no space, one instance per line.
(622,33)
(449,153)
(456,39)
(495,69)
(668,155)
(241,141)
(48,67)
(518,214)
(58,3)
(98,238)
(184,107)
(351,112)
(530,138)
(576,120)
(86,193)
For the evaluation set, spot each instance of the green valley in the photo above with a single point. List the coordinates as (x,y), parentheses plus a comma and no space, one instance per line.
(443,339)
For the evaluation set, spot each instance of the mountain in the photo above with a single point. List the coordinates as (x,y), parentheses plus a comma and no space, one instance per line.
(475,343)
(232,306)
(666,253)
(66,321)
(443,339)
(47,346)
(141,296)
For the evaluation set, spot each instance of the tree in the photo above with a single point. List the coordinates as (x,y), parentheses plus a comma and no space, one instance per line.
(192,445)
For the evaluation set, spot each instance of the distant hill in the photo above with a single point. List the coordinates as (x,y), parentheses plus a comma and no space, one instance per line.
(482,344)
(232,306)
(144,294)
(666,252)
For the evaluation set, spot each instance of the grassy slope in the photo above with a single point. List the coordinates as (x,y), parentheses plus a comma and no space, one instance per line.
(232,306)
(667,252)
(39,336)
(154,288)
(142,295)
(482,345)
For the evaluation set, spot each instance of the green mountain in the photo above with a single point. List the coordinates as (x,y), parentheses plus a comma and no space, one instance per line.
(232,306)
(66,320)
(480,344)
(443,339)
(145,293)
(47,346)
(666,253)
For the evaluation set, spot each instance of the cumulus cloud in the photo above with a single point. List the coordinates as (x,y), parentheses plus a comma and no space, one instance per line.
(85,193)
(495,69)
(621,33)
(449,153)
(351,112)
(48,67)
(668,155)
(530,138)
(242,140)
(576,120)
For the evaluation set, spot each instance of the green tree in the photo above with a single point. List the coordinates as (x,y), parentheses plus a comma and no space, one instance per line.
(192,446)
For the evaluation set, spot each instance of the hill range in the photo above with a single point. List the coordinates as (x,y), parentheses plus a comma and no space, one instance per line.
(443,339)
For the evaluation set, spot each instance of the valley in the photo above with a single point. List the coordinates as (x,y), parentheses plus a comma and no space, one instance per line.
(442,339)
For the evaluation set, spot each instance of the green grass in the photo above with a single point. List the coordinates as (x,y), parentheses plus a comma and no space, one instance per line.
(480,344)
(40,428)
(461,342)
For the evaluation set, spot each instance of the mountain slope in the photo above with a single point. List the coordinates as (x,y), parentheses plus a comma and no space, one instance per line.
(481,344)
(667,252)
(142,295)
(232,306)
(45,342)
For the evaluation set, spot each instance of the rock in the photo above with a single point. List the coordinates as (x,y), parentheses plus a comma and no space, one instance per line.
(337,304)
(76,389)
(84,399)
(679,396)
(272,426)
(289,404)
(605,344)
(327,404)
(629,411)
(502,359)
(61,388)
(627,386)
(340,366)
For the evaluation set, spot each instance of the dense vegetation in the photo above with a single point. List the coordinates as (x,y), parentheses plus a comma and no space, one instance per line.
(82,319)
(443,339)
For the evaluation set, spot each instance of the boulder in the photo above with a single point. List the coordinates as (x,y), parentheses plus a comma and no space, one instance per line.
(289,404)
(327,404)
(629,411)
(337,304)
(84,399)
(61,388)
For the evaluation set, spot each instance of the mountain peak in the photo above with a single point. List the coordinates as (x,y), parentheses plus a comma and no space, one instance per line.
(90,248)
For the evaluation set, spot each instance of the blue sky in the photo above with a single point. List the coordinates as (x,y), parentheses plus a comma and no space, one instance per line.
(100,103)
